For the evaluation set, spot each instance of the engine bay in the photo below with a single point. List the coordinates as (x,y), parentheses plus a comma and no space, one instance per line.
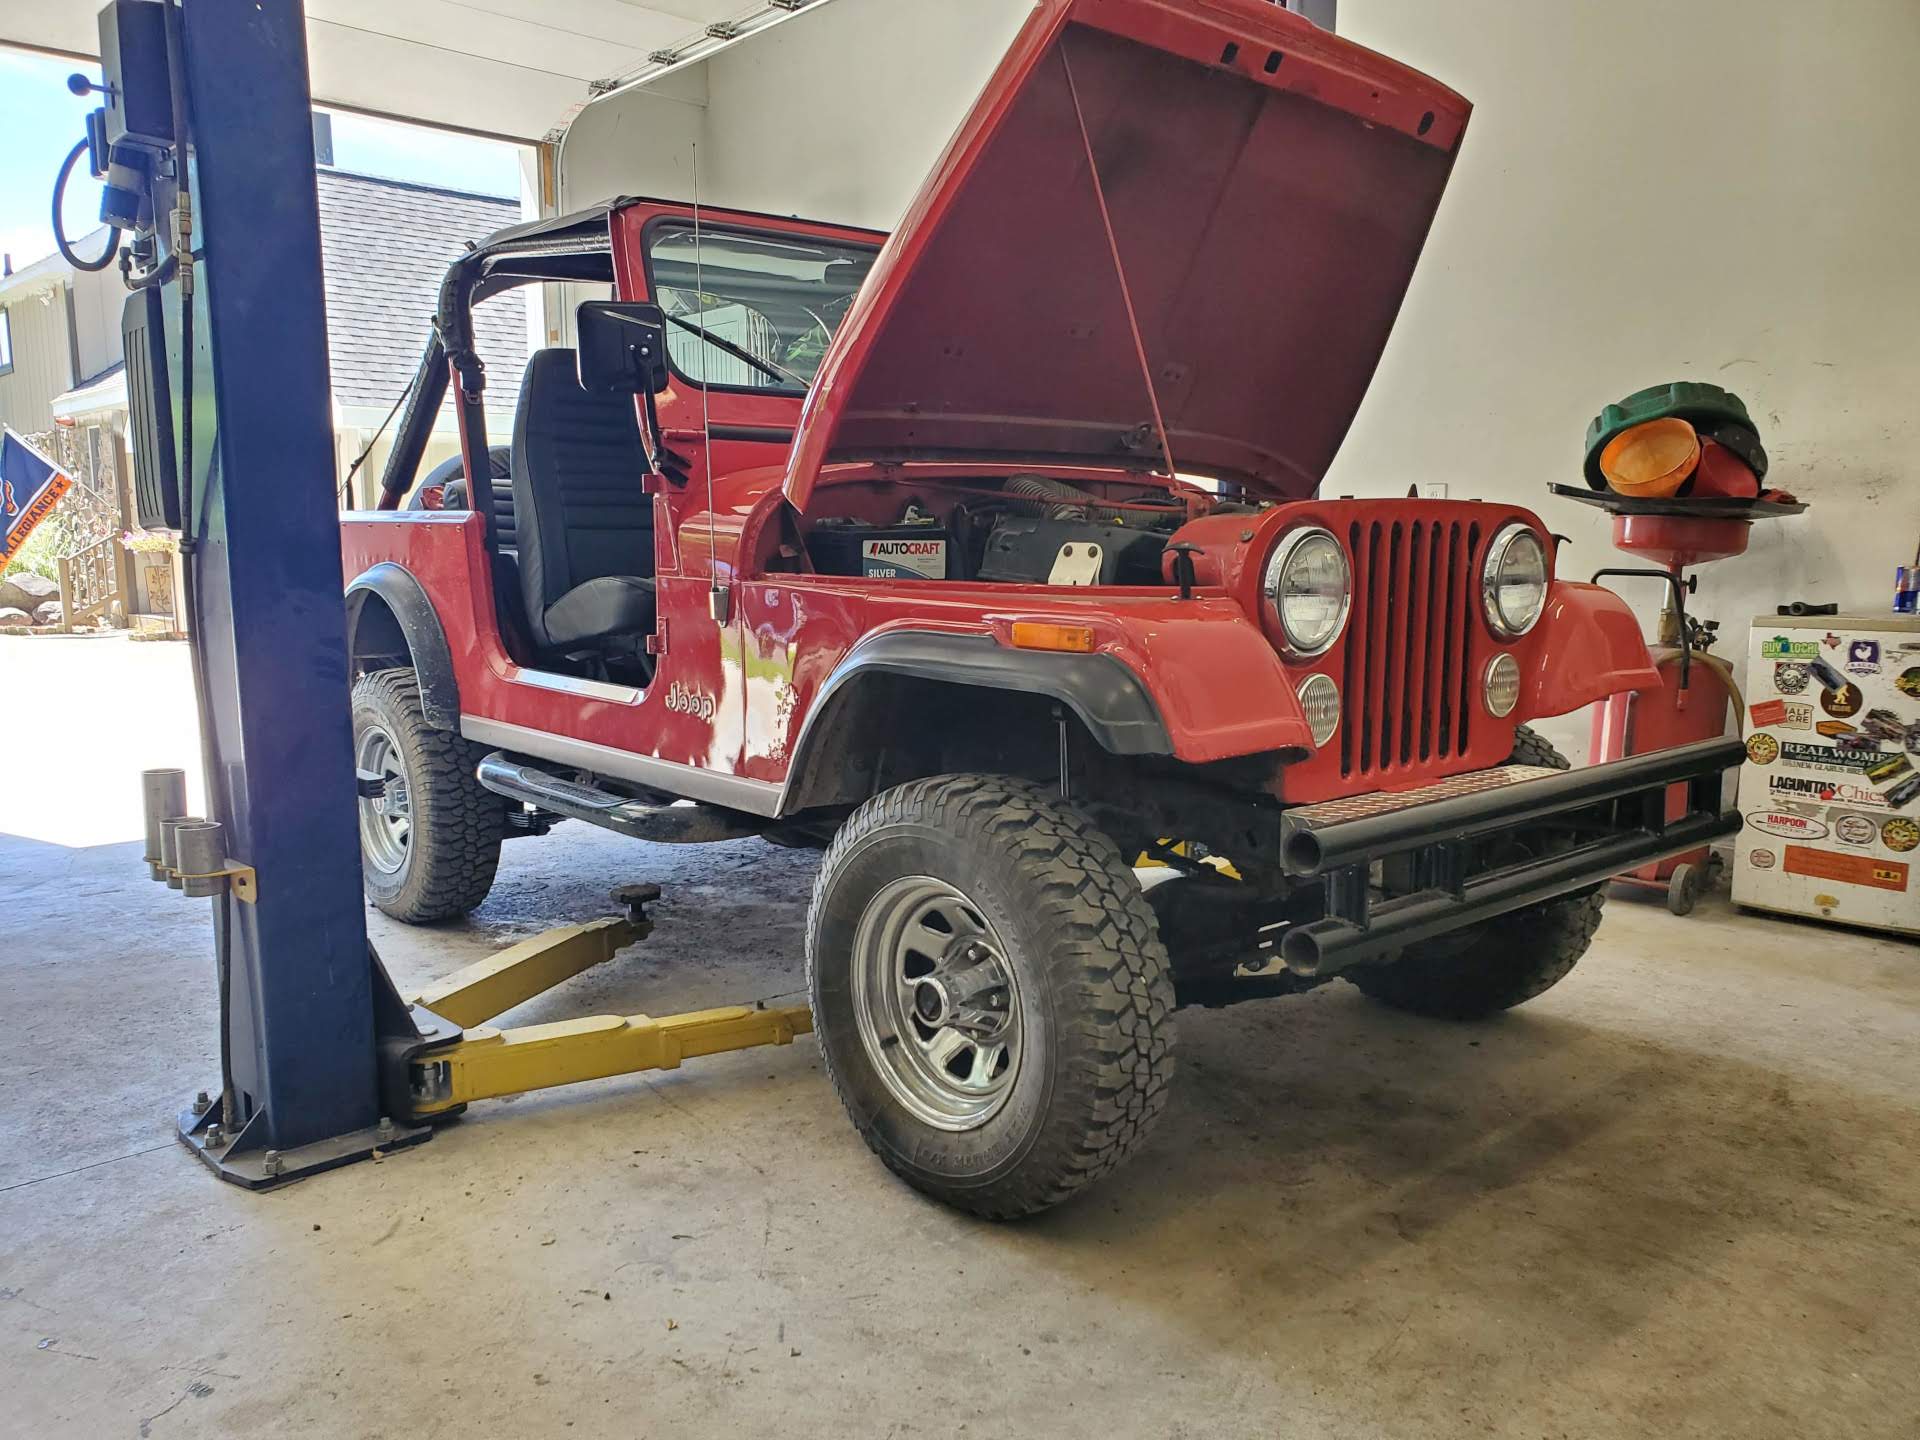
(1024,529)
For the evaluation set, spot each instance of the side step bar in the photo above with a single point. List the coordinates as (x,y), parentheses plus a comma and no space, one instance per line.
(683,824)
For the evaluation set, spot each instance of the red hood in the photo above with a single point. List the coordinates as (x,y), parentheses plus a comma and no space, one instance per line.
(1269,187)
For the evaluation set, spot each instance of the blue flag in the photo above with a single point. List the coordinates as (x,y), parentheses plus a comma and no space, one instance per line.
(30,486)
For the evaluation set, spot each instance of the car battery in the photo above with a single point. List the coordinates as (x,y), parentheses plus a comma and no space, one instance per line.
(880,552)
(1071,552)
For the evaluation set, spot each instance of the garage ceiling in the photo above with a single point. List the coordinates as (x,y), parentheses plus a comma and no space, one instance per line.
(516,68)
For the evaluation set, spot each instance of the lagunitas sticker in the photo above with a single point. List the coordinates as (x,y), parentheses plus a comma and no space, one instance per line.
(1763,749)
(903,559)
(1855,829)
(1863,657)
(1827,792)
(1781,648)
(1785,822)
(1761,859)
(1900,834)
(1791,678)
(1844,701)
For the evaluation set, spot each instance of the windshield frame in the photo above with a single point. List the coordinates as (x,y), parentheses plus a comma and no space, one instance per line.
(684,222)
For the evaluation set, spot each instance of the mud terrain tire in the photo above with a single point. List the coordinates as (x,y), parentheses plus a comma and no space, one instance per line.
(1495,966)
(446,865)
(1087,1013)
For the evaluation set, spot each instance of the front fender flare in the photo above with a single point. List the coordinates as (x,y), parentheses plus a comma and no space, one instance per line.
(420,627)
(1587,646)
(1106,696)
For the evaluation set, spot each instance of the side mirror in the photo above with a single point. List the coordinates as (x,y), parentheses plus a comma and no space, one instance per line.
(622,347)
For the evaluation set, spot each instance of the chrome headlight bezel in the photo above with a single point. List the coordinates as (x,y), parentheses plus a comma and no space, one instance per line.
(1498,549)
(1272,580)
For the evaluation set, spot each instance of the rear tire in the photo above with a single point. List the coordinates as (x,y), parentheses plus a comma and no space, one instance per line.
(990,992)
(430,846)
(1492,967)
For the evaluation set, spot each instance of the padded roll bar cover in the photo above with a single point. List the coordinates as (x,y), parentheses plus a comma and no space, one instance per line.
(420,627)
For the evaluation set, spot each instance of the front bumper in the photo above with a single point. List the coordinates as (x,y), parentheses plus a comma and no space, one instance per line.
(1441,861)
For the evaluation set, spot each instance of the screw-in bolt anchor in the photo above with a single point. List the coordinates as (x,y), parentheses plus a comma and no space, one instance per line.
(202,1103)
(216,1136)
(271,1163)
(386,1130)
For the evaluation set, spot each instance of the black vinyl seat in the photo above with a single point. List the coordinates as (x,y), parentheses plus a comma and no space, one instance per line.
(584,525)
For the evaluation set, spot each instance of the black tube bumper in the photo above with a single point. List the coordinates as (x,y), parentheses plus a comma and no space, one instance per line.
(1602,820)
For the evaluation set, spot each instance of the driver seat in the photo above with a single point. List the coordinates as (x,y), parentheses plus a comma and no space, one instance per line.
(585,525)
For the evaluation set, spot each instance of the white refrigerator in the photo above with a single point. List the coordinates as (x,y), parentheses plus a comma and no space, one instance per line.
(1830,790)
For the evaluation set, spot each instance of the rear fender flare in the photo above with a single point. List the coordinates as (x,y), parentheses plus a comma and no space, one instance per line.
(406,599)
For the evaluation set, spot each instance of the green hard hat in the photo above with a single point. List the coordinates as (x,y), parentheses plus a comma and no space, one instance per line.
(1707,407)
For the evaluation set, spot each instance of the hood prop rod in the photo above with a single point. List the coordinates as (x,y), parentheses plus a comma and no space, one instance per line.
(1119,267)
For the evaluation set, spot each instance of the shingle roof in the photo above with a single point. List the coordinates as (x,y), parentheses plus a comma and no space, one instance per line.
(385,246)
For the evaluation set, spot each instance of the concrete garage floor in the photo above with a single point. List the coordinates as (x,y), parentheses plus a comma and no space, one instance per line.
(1675,1197)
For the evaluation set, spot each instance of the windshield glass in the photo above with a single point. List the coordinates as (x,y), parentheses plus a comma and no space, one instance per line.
(762,308)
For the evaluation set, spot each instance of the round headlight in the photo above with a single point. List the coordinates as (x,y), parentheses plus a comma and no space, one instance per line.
(1502,686)
(1320,702)
(1513,582)
(1309,587)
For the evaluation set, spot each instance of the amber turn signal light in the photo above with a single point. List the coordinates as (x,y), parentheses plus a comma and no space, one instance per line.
(1039,635)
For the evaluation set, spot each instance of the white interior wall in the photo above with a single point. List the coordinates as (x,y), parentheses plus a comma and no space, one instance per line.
(1714,190)
(1647,191)
(836,115)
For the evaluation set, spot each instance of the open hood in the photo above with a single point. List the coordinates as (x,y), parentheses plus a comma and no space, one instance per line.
(1258,195)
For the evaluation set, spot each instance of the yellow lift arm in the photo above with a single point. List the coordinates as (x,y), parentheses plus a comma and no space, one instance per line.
(488,1061)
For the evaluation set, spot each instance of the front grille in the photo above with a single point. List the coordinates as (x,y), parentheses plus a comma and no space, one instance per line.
(1407,693)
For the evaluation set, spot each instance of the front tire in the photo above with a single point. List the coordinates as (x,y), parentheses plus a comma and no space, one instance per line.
(1493,967)
(430,844)
(990,993)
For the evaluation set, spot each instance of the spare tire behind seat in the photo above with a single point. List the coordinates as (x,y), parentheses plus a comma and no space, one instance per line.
(450,476)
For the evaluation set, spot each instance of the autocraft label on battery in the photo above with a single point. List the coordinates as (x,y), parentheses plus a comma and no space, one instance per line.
(901,559)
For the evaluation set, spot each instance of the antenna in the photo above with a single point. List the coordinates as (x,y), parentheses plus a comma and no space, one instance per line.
(716,597)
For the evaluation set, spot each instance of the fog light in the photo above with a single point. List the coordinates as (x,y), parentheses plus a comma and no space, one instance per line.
(1503,684)
(1320,702)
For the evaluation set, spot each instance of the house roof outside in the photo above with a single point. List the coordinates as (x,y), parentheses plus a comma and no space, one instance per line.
(385,247)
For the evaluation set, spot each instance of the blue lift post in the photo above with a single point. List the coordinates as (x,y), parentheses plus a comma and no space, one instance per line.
(306,996)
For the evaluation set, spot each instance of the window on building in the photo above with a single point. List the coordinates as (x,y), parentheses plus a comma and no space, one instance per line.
(6,342)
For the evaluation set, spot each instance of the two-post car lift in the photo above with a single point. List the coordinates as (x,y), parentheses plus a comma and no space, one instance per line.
(204,141)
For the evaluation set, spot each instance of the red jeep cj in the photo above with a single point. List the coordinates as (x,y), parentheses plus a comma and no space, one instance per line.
(988,556)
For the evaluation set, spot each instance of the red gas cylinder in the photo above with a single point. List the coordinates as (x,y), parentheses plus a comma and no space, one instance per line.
(1636,722)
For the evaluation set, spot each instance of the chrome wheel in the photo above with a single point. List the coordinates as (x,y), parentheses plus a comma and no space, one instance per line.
(386,819)
(936,1003)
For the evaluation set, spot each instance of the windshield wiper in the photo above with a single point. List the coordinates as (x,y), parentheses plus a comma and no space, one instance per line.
(765,367)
